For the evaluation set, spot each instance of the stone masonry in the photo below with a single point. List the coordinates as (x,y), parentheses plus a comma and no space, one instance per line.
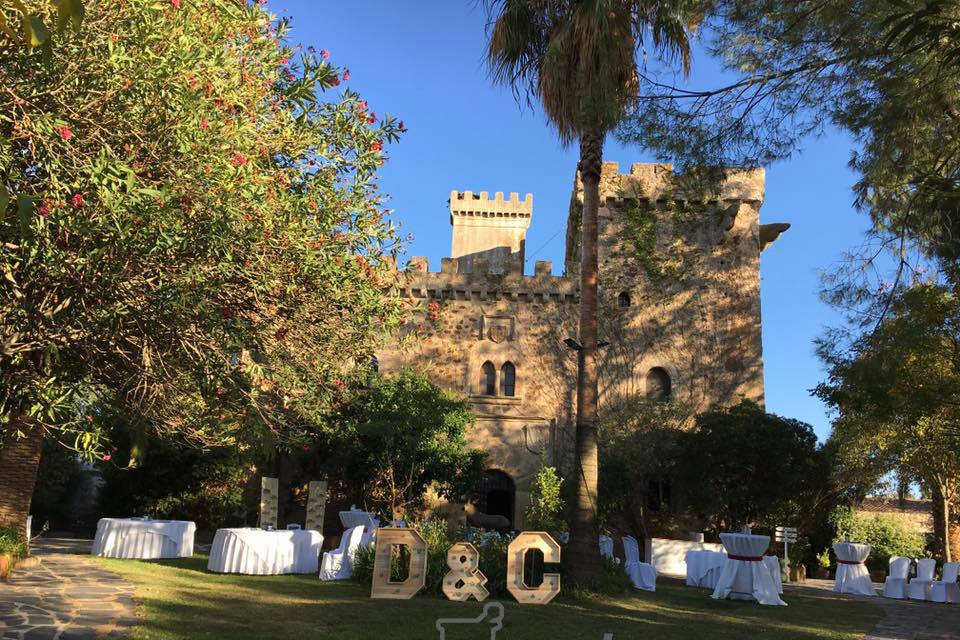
(680,307)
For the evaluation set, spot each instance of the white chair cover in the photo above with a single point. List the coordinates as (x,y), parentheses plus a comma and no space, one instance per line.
(642,574)
(140,539)
(773,566)
(947,590)
(606,548)
(920,587)
(704,568)
(745,576)
(257,552)
(338,564)
(852,574)
(895,586)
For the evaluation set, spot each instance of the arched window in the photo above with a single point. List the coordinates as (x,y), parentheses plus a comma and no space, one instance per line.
(623,300)
(658,384)
(508,379)
(488,379)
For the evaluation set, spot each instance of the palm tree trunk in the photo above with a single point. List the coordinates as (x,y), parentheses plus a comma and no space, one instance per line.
(584,551)
(19,461)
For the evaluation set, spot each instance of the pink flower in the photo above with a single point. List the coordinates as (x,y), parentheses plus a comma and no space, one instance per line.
(377,146)
(65,132)
(284,61)
(175,4)
(238,160)
(76,201)
(106,457)
(346,75)
(204,123)
(291,77)
(362,105)
(372,118)
(325,54)
(335,82)
(44,209)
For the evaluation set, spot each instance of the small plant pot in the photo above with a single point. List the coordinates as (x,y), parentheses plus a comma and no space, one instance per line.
(798,573)
(821,573)
(6,567)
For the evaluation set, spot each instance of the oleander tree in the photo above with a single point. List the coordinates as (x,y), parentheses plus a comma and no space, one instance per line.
(191,230)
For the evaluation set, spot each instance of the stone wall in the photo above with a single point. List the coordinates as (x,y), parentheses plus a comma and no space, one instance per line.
(680,298)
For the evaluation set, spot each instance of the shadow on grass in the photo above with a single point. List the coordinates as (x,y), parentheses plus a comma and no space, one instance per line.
(178,599)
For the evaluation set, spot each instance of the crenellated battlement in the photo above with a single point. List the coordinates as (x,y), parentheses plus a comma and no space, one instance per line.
(658,182)
(470,204)
(482,284)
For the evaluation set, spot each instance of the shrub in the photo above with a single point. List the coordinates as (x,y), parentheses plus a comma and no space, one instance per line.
(545,512)
(12,543)
(887,536)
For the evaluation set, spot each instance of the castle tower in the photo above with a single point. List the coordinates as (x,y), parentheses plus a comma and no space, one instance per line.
(493,230)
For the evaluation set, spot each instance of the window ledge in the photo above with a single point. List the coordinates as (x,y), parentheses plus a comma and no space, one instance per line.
(482,399)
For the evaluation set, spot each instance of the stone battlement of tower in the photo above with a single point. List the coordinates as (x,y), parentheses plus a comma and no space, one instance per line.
(656,181)
(468,203)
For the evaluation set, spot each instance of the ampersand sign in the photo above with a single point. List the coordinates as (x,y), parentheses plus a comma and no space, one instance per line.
(465,578)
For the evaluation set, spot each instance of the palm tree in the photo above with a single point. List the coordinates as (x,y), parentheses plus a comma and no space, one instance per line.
(578,58)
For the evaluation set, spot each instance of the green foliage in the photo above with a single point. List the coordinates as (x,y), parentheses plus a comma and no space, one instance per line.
(12,543)
(896,391)
(400,436)
(190,226)
(545,512)
(887,536)
(178,482)
(823,558)
(741,465)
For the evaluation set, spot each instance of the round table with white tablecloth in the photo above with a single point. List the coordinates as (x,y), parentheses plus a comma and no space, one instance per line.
(262,553)
(357,518)
(704,567)
(143,539)
(745,575)
(852,575)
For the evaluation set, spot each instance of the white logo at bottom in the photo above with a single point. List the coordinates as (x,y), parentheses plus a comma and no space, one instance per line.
(492,615)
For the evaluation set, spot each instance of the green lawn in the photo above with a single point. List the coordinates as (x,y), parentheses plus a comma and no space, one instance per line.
(179,600)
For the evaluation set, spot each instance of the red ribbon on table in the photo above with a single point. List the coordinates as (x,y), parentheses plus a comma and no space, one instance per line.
(849,561)
(745,558)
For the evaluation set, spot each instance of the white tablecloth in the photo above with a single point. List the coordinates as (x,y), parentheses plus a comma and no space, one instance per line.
(853,578)
(262,553)
(745,575)
(139,539)
(704,567)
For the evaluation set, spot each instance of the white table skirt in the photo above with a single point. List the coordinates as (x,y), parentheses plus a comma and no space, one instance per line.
(746,579)
(262,553)
(853,578)
(704,567)
(139,539)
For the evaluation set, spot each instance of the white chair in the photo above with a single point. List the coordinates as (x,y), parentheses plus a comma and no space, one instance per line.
(919,588)
(606,548)
(895,586)
(642,574)
(947,589)
(338,564)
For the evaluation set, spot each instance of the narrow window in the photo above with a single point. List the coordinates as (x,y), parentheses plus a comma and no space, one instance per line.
(658,384)
(623,300)
(508,379)
(488,379)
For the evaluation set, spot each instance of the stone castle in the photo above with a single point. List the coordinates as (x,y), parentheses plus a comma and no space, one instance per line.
(679,300)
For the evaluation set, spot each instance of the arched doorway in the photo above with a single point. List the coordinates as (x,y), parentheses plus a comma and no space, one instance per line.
(496,494)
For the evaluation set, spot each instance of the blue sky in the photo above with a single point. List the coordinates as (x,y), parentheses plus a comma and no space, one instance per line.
(423,62)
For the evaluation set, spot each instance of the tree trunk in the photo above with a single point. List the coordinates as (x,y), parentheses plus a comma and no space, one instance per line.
(19,461)
(584,551)
(940,504)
